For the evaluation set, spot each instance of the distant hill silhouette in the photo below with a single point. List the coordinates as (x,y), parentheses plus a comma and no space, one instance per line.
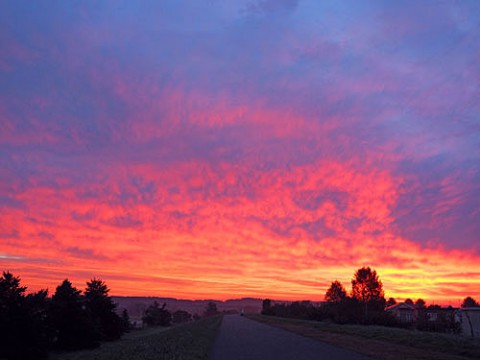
(137,305)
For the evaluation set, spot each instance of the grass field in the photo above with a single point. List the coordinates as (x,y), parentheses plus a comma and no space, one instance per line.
(381,342)
(188,341)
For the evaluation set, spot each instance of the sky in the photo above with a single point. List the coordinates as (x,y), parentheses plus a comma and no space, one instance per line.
(222,149)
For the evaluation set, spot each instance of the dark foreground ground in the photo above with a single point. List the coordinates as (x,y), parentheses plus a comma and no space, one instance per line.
(267,337)
(242,338)
(183,342)
(379,342)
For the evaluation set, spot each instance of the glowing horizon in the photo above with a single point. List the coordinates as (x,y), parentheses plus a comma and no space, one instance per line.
(255,149)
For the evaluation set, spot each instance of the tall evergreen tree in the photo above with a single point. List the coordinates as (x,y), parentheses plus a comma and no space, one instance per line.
(23,331)
(73,326)
(102,310)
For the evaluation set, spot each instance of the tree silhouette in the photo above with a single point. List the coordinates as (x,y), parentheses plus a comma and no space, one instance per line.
(23,331)
(368,290)
(126,324)
(469,302)
(157,316)
(420,304)
(391,301)
(102,310)
(267,307)
(409,302)
(211,309)
(422,322)
(10,289)
(336,293)
(72,323)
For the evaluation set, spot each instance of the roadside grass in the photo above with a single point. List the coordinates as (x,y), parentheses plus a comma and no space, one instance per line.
(188,341)
(382,342)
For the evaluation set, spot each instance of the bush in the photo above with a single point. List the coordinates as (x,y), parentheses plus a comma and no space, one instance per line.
(181,316)
(157,316)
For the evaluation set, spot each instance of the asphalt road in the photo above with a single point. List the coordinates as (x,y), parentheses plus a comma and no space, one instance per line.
(242,338)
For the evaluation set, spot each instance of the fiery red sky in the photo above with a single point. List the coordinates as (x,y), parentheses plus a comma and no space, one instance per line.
(224,149)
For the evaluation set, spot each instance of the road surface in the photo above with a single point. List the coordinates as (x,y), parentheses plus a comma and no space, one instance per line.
(240,338)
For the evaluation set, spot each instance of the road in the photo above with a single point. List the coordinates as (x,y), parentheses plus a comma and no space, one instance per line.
(240,338)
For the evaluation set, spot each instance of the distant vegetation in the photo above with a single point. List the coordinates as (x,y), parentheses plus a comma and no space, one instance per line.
(157,316)
(137,306)
(469,302)
(366,305)
(211,309)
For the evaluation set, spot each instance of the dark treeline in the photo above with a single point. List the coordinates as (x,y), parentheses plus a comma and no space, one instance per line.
(364,306)
(31,325)
(367,305)
(156,315)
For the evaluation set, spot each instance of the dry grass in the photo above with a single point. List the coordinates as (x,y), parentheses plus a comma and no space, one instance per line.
(382,342)
(188,341)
